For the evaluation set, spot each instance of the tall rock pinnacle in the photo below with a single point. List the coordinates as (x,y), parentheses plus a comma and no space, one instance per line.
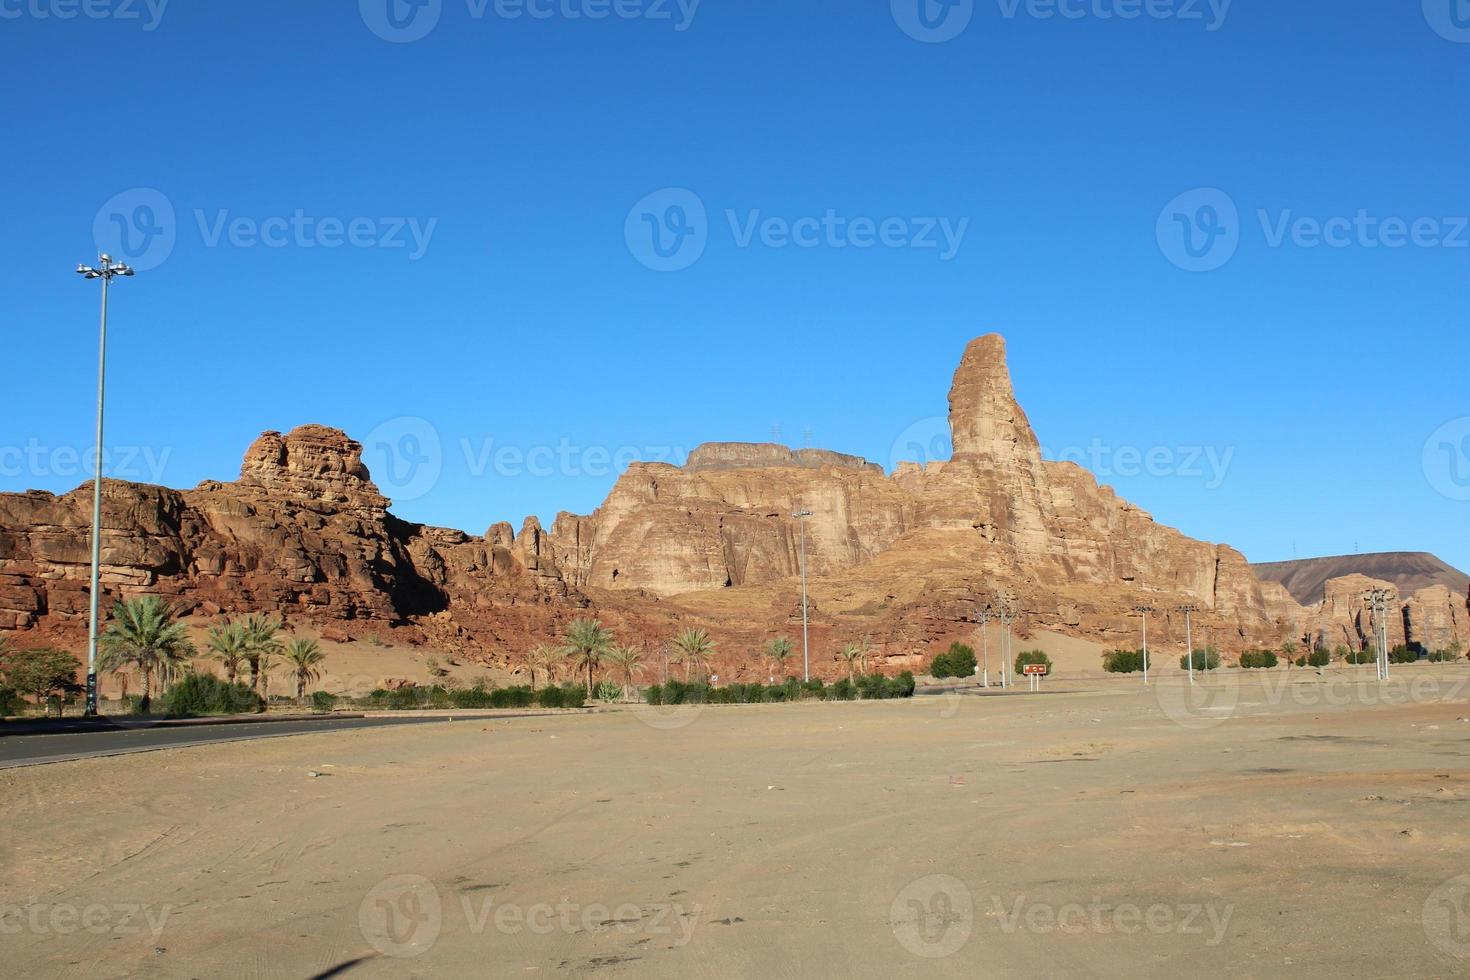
(984,417)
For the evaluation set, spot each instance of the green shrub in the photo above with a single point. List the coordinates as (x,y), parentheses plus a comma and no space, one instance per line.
(1258,659)
(1403,655)
(1441,657)
(1319,657)
(1123,661)
(843,690)
(1206,658)
(1032,657)
(1367,656)
(957,661)
(205,694)
(607,691)
(512,697)
(573,696)
(323,701)
(10,702)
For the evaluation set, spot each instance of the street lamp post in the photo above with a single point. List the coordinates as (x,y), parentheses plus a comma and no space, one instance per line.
(1145,610)
(1007,617)
(1377,601)
(806,659)
(1188,611)
(984,617)
(106,270)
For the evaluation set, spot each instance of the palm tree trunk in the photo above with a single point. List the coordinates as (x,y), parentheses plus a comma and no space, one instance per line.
(589,678)
(147,701)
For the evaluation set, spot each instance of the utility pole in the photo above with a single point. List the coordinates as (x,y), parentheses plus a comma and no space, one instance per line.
(1145,610)
(1377,602)
(1189,610)
(1007,617)
(984,617)
(106,270)
(806,658)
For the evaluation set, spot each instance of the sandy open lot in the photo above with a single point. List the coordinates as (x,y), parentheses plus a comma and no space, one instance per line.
(1271,828)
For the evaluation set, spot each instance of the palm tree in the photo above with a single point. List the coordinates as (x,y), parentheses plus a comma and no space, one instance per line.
(261,642)
(227,642)
(694,648)
(856,655)
(265,662)
(304,657)
(145,635)
(629,660)
(545,659)
(586,644)
(778,651)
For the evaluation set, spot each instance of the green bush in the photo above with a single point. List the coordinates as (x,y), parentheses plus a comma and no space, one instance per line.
(607,691)
(957,661)
(1403,655)
(1259,659)
(323,701)
(1319,658)
(206,694)
(10,702)
(1032,657)
(1441,657)
(843,690)
(1367,656)
(1206,658)
(1123,661)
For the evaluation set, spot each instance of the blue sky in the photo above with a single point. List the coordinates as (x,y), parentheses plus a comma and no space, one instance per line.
(444,245)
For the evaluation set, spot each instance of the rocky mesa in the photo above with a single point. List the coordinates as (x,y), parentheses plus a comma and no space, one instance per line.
(907,559)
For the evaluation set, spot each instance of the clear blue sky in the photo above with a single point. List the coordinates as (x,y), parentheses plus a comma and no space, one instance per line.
(521,145)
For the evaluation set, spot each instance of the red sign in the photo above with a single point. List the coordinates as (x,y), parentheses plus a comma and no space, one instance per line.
(1031,669)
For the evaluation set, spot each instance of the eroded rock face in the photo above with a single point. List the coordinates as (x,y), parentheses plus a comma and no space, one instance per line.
(906,560)
(304,531)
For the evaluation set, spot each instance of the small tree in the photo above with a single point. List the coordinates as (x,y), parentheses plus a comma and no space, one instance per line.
(778,651)
(1123,661)
(305,658)
(1205,658)
(145,635)
(628,661)
(262,642)
(42,674)
(586,643)
(957,661)
(853,653)
(695,649)
(228,644)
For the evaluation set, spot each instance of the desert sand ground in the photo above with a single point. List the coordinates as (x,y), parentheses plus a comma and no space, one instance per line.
(1265,828)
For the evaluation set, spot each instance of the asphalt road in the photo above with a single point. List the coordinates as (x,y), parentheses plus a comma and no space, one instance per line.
(38,749)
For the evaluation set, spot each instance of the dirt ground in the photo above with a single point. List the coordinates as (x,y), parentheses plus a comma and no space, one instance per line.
(1258,828)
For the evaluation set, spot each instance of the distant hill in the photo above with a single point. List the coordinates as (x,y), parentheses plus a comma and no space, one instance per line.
(1408,570)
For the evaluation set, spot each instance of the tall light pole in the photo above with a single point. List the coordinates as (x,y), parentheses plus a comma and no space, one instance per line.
(806,659)
(1188,611)
(1145,610)
(1377,602)
(106,270)
(984,617)
(1007,617)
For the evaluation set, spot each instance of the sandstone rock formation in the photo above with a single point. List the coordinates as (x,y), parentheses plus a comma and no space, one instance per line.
(907,560)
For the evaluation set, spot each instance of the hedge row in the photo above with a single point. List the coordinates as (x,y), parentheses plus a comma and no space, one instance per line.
(873,687)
